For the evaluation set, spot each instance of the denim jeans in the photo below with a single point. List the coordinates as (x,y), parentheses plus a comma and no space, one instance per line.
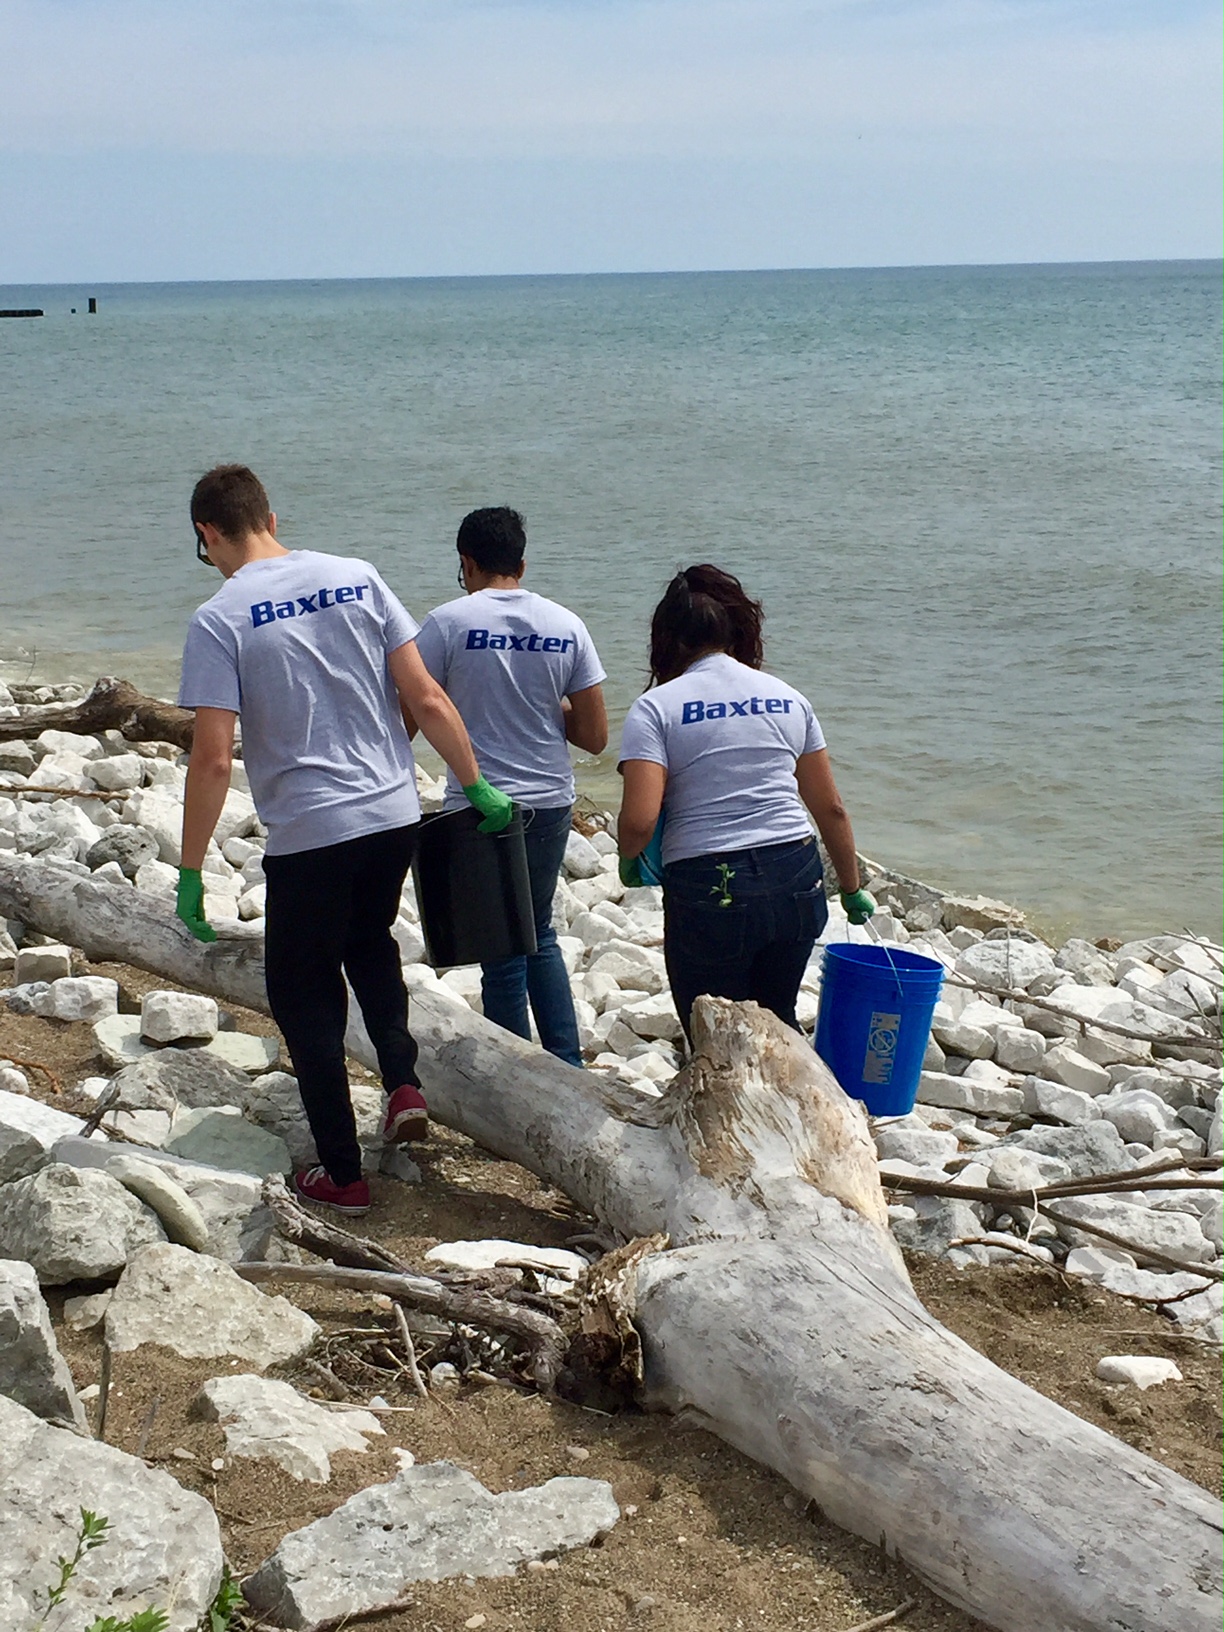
(742,925)
(541,977)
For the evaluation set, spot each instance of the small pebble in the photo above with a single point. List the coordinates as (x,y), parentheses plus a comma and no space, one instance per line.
(631,1511)
(217,1463)
(475,1621)
(535,1566)
(88,1393)
(646,1602)
(577,1453)
(183,1454)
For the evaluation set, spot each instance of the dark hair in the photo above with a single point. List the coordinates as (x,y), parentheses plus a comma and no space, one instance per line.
(232,499)
(703,610)
(495,539)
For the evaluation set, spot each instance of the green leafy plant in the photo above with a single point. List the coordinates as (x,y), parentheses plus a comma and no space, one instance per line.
(723,888)
(144,1620)
(226,1604)
(92,1532)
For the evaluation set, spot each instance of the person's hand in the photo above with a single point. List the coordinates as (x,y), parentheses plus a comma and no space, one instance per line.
(630,872)
(859,905)
(496,807)
(189,904)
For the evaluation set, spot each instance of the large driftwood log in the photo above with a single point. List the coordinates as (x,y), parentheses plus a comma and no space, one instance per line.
(112,705)
(782,1316)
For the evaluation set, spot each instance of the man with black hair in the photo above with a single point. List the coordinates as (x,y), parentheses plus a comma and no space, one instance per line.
(318,658)
(524,674)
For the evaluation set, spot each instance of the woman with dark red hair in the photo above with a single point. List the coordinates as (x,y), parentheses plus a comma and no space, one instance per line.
(729,757)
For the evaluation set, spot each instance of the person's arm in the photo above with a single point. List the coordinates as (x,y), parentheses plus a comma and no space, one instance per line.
(819,793)
(409,723)
(586,719)
(432,712)
(208,780)
(641,802)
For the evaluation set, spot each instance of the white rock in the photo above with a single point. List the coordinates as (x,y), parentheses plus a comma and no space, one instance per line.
(173,1017)
(68,742)
(60,772)
(653,1016)
(408,938)
(958,1036)
(200,1308)
(582,859)
(558,1267)
(84,997)
(920,1145)
(119,1042)
(467,982)
(28,1133)
(629,967)
(165,1546)
(1176,1234)
(156,878)
(1093,1263)
(117,772)
(429,1523)
(1012,1169)
(1007,964)
(1017,1048)
(84,1314)
(1141,1370)
(239,851)
(968,1094)
(1138,1115)
(244,1052)
(181,1219)
(1062,1104)
(73,1224)
(47,963)
(221,1136)
(1064,1064)
(160,816)
(585,892)
(253,903)
(32,1370)
(270,1421)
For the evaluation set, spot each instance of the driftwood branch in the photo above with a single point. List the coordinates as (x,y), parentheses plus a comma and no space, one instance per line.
(414,1371)
(324,1239)
(543,1338)
(112,705)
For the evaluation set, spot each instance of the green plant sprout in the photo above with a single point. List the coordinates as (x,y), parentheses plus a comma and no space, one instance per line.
(723,888)
(95,1531)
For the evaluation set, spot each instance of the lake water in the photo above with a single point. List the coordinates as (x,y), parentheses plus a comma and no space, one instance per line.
(981,505)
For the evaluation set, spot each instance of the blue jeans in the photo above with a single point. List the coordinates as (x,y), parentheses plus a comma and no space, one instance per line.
(507,984)
(743,925)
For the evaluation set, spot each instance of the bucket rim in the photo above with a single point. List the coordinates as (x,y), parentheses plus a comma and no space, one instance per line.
(889,961)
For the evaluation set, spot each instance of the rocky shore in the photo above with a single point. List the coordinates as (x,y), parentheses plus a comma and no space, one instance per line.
(1069,1113)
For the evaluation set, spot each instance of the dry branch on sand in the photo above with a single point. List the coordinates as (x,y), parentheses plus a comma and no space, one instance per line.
(112,705)
(781,1316)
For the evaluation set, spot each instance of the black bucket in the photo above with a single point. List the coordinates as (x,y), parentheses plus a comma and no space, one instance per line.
(473,890)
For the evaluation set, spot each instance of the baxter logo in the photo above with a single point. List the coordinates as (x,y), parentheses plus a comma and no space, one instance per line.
(881,1048)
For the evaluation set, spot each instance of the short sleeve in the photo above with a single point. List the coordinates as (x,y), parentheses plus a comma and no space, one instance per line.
(642,737)
(210,668)
(587,670)
(431,643)
(813,740)
(399,626)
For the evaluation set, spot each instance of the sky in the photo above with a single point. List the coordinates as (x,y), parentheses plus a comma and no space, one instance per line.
(154,140)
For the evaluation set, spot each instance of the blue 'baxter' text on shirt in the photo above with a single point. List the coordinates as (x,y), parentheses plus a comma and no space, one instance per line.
(695,710)
(480,640)
(303,605)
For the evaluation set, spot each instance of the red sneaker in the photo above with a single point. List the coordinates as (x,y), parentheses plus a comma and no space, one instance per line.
(407,1118)
(314,1185)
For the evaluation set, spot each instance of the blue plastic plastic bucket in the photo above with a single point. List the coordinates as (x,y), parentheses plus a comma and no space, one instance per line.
(875,1018)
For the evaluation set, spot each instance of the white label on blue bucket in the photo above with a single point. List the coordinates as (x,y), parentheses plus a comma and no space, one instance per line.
(881,1048)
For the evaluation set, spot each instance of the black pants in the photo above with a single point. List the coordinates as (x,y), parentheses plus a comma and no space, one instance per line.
(742,925)
(329,914)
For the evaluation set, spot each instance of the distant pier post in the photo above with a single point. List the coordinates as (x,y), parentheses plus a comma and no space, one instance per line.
(93,303)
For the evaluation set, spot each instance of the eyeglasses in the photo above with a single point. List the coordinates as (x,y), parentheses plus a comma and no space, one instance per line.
(201,548)
(459,578)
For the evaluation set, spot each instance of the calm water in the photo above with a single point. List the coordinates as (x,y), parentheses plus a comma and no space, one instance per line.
(981,507)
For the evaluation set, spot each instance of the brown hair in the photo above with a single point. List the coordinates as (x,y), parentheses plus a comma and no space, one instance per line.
(232,499)
(703,610)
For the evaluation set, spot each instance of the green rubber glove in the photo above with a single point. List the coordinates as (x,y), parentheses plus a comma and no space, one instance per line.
(189,904)
(859,905)
(630,872)
(497,808)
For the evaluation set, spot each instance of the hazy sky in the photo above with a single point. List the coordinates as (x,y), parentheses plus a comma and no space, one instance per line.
(160,139)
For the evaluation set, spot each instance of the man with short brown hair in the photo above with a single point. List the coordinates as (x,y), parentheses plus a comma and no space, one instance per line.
(318,657)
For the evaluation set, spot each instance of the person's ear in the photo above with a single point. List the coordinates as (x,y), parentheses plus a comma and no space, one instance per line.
(522,567)
(272,523)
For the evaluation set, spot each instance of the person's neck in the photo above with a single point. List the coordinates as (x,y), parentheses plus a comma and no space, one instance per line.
(494,580)
(261,546)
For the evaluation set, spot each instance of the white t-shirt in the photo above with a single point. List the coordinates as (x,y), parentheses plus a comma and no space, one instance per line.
(297,645)
(729,737)
(506,658)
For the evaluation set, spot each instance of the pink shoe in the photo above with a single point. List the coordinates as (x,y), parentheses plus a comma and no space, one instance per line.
(315,1185)
(407,1118)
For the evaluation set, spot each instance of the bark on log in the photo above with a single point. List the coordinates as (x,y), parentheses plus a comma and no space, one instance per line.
(112,705)
(782,1316)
